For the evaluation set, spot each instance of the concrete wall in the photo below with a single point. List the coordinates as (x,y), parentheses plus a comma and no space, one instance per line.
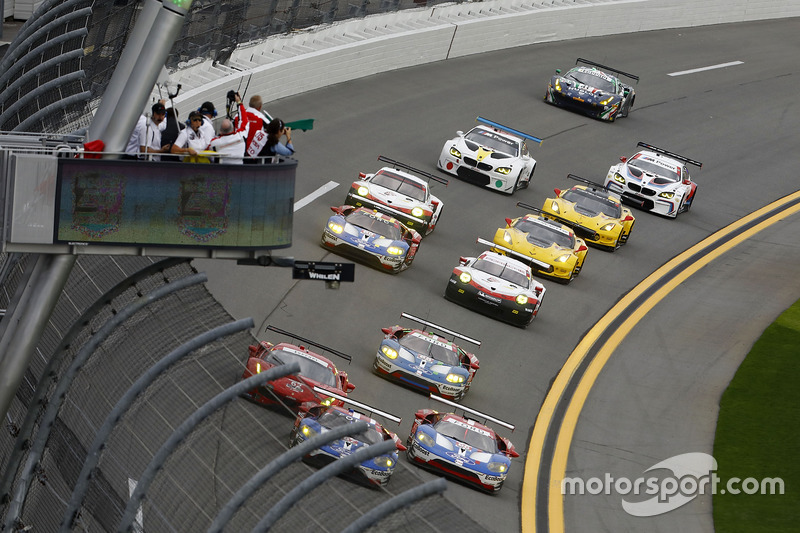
(287,65)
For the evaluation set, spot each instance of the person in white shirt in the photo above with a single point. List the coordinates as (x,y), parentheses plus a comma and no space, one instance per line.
(231,141)
(208,112)
(132,149)
(149,133)
(191,140)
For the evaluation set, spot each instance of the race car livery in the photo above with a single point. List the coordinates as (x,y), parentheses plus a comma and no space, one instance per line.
(425,361)
(372,237)
(496,285)
(595,214)
(318,419)
(296,390)
(539,238)
(591,91)
(460,447)
(654,180)
(490,155)
(399,194)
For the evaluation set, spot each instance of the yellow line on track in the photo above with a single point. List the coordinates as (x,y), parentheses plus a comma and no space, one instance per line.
(545,416)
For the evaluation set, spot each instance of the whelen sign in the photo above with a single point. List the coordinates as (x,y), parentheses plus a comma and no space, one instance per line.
(111,206)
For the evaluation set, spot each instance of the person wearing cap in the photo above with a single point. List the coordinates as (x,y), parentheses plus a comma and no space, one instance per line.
(230,142)
(191,140)
(208,112)
(149,133)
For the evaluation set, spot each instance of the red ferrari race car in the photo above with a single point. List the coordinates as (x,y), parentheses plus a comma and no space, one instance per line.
(295,390)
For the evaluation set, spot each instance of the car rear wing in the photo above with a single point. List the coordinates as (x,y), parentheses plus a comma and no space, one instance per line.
(467,410)
(587,182)
(441,329)
(427,175)
(598,65)
(343,355)
(581,231)
(544,267)
(509,130)
(670,154)
(368,408)
(391,211)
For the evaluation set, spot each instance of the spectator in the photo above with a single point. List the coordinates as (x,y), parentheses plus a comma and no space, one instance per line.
(230,143)
(172,127)
(191,140)
(257,121)
(149,133)
(276,129)
(132,149)
(208,112)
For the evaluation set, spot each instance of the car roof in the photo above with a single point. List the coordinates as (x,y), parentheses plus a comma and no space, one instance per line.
(509,262)
(595,72)
(304,352)
(660,159)
(403,174)
(433,337)
(501,133)
(600,193)
(468,422)
(543,220)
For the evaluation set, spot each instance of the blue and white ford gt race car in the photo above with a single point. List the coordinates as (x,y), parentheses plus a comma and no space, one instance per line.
(461,447)
(490,155)
(318,419)
(426,361)
(372,237)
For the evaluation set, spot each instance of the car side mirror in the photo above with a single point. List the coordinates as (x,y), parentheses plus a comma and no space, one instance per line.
(558,71)
(557,191)
(460,133)
(362,175)
(508,222)
(627,218)
(401,447)
(462,260)
(623,159)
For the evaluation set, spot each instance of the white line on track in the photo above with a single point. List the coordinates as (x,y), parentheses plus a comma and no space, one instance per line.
(314,195)
(692,71)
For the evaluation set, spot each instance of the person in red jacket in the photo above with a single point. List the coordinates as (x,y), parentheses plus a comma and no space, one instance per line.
(257,121)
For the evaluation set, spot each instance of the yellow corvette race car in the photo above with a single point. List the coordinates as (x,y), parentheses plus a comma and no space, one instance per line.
(595,214)
(552,249)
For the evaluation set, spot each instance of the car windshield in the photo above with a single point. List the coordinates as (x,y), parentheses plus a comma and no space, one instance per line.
(310,368)
(461,431)
(542,234)
(398,183)
(502,272)
(422,344)
(374,224)
(333,418)
(592,80)
(493,141)
(672,174)
(590,204)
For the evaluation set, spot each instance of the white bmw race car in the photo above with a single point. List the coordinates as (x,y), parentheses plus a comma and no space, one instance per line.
(654,180)
(496,285)
(399,194)
(491,155)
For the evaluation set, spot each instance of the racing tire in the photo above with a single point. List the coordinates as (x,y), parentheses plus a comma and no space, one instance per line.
(429,229)
(688,206)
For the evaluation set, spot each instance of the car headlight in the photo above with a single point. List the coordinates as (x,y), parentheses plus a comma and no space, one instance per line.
(465,277)
(607,100)
(417,212)
(618,178)
(334,227)
(395,250)
(507,237)
(363,190)
(307,432)
(554,207)
(455,153)
(258,368)
(558,85)
(425,439)
(608,227)
(666,194)
(503,170)
(564,258)
(522,299)
(327,401)
(500,468)
(455,378)
(389,352)
(384,461)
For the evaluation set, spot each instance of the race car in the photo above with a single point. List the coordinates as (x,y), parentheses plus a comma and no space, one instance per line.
(399,194)
(491,155)
(295,391)
(551,248)
(318,419)
(496,285)
(596,215)
(592,91)
(460,447)
(654,180)
(372,237)
(426,361)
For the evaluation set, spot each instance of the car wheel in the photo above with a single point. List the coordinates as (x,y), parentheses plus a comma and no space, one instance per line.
(688,205)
